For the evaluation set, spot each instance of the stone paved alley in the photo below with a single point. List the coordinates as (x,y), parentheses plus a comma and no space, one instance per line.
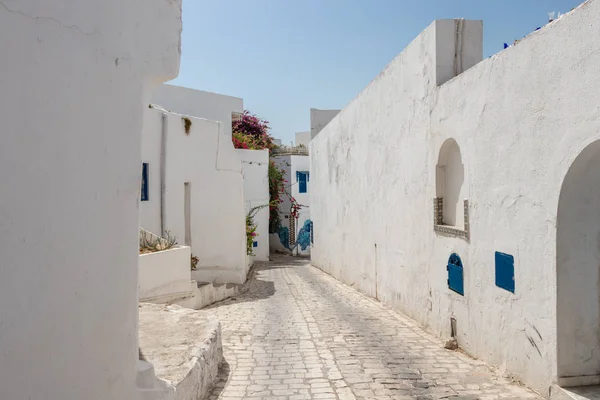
(297,333)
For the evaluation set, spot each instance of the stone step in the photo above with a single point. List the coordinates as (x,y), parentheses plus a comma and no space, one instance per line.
(575,393)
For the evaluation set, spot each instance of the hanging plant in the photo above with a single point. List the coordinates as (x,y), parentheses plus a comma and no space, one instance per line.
(187,123)
(250,234)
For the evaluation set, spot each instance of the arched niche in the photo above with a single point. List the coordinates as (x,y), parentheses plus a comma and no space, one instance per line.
(450,204)
(577,270)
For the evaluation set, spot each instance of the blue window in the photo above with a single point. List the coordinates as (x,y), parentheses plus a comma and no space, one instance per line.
(455,274)
(255,244)
(505,271)
(144,182)
(302,178)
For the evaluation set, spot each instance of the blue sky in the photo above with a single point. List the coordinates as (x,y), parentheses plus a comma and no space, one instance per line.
(285,56)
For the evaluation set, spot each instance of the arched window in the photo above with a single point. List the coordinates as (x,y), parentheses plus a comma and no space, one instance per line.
(451,213)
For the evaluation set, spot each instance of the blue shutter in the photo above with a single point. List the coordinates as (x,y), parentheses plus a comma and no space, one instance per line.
(505,271)
(301,177)
(144,182)
(455,274)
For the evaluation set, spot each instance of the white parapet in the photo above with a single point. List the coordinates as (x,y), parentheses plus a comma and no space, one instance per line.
(165,275)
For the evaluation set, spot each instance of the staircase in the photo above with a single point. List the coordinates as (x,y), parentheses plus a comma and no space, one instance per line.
(575,393)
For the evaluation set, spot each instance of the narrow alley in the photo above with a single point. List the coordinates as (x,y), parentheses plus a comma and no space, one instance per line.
(297,333)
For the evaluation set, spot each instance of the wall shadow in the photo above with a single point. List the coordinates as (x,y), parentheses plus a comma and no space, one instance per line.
(222,379)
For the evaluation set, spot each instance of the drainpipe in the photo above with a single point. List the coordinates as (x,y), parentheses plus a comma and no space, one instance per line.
(163,167)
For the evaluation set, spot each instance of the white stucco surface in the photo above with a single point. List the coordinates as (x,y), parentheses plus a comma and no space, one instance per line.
(284,163)
(319,119)
(74,82)
(255,169)
(520,119)
(164,275)
(204,158)
(198,103)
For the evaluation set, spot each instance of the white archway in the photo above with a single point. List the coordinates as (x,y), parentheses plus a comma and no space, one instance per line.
(578,268)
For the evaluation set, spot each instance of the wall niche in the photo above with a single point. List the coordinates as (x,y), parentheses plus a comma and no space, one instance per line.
(450,213)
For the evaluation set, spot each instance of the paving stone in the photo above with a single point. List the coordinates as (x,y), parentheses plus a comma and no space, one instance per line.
(294,332)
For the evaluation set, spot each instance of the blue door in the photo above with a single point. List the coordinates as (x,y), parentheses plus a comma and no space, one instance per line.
(455,274)
(302,178)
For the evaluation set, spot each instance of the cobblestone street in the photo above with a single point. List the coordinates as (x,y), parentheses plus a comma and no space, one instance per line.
(297,333)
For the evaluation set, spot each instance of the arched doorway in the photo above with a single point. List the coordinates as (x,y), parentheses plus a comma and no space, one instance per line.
(578,268)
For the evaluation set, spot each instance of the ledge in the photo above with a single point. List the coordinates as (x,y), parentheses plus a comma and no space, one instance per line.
(452,231)
(183,346)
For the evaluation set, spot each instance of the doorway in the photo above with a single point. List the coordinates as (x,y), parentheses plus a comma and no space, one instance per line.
(578,271)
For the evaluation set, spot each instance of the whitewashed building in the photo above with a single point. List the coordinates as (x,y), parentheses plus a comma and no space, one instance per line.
(73,87)
(202,197)
(255,170)
(294,234)
(199,103)
(465,193)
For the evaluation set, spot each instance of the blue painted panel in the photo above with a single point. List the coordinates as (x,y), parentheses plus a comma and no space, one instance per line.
(455,274)
(144,182)
(255,244)
(505,271)
(304,235)
(284,236)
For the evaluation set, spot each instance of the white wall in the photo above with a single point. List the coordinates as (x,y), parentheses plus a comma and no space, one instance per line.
(207,160)
(255,169)
(73,87)
(319,119)
(165,274)
(520,118)
(198,103)
(302,138)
